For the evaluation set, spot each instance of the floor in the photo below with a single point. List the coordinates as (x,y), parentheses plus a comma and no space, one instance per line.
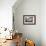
(9,43)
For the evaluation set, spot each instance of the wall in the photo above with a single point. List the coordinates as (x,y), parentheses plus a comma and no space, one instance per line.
(6,13)
(28,7)
(43,22)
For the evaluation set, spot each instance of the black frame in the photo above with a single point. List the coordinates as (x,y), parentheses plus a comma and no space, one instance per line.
(29,22)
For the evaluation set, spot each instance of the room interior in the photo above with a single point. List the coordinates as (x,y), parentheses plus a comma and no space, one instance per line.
(22,23)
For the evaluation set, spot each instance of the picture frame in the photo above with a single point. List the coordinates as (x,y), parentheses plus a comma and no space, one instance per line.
(29,19)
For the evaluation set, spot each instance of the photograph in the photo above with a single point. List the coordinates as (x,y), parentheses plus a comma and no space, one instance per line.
(29,19)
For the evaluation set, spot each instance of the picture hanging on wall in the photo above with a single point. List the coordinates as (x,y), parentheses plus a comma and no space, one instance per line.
(29,19)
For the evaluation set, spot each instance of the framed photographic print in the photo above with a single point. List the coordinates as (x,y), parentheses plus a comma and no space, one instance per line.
(29,19)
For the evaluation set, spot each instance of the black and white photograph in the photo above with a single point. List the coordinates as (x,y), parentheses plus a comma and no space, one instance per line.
(29,19)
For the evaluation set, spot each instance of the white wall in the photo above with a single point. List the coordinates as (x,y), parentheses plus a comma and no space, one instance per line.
(28,7)
(43,22)
(6,13)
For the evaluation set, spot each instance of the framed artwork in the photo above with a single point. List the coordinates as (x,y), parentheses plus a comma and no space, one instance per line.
(29,19)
